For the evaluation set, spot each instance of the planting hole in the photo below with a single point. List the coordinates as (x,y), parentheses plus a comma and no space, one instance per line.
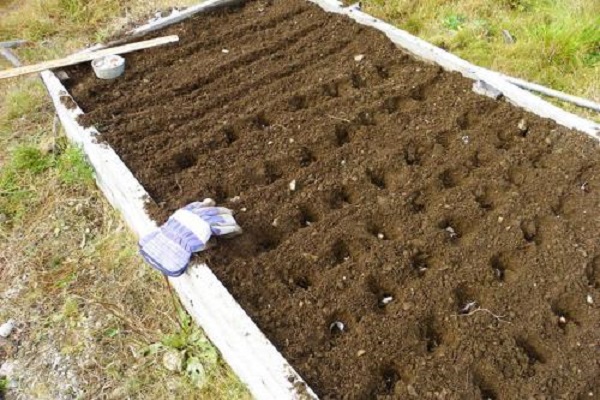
(417,93)
(533,353)
(483,198)
(366,118)
(430,335)
(592,272)
(529,229)
(220,194)
(450,228)
(307,216)
(330,89)
(411,154)
(186,159)
(419,263)
(498,265)
(383,295)
(357,81)
(416,202)
(339,252)
(465,299)
(338,198)
(376,230)
(229,134)
(306,157)
(390,377)
(342,135)
(376,178)
(302,282)
(563,315)
(271,173)
(297,102)
(449,178)
(391,104)
(486,391)
(260,121)
(266,240)
(382,71)
(463,121)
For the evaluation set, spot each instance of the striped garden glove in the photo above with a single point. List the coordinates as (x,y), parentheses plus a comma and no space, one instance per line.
(187,231)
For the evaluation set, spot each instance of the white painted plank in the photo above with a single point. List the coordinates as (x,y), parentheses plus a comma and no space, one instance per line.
(244,347)
(578,101)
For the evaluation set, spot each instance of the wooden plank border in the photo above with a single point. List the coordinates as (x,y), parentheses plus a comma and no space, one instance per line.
(243,346)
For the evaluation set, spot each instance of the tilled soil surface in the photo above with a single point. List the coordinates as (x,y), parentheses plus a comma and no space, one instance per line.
(403,235)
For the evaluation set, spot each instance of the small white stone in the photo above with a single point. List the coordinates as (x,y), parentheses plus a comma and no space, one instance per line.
(589,299)
(380,236)
(291,140)
(500,219)
(361,353)
(243,209)
(7,328)
(523,127)
(465,139)
(387,300)
(225,51)
(7,369)
(359,57)
(173,361)
(562,320)
(293,185)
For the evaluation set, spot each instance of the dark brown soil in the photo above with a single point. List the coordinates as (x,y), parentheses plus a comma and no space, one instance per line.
(481,237)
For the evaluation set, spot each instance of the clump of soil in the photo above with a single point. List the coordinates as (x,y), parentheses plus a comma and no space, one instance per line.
(434,244)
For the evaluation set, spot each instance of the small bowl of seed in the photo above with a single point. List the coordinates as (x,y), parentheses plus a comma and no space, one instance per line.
(109,67)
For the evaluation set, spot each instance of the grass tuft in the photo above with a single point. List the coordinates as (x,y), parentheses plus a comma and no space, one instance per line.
(30,159)
(3,385)
(73,168)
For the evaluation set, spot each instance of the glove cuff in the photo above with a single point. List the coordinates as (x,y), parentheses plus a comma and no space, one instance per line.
(164,254)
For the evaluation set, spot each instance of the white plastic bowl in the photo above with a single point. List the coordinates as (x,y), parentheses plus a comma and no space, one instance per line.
(109,67)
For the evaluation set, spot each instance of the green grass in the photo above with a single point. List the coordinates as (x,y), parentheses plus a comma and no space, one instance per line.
(38,20)
(73,168)
(3,385)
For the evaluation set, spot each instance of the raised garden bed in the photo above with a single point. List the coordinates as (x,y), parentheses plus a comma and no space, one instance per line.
(403,235)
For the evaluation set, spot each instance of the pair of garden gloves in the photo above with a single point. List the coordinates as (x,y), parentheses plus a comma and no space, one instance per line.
(170,247)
